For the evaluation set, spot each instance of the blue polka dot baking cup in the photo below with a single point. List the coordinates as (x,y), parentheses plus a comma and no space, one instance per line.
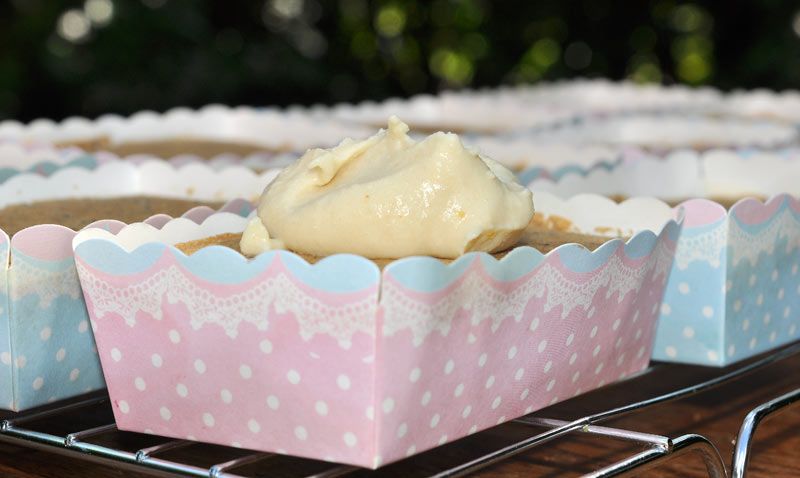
(47,349)
(734,290)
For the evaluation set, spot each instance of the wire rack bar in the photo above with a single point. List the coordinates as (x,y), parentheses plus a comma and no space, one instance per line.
(741,453)
(654,457)
(619,433)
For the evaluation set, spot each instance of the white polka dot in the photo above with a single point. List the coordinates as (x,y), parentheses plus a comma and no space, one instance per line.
(774,275)
(370,412)
(116,355)
(596,351)
(753,343)
(745,324)
(226,395)
(708,311)
(737,305)
(760,299)
(772,336)
(182,390)
(752,280)
(534,324)
(5,357)
(593,333)
(255,427)
(781,293)
(792,329)
(165,413)
(350,440)
(343,381)
(245,371)
(671,351)
(83,326)
(449,366)
(731,351)
(73,374)
(512,352)
(273,402)
(459,390)
(411,450)
(524,394)
(542,346)
(443,440)
(426,398)
(473,429)
(482,360)
(200,366)
(688,332)
(388,405)
(712,355)
(521,371)
(599,368)
(635,317)
(38,382)
(471,339)
(728,286)
(415,374)
(208,419)
(46,333)
(434,421)
(767,318)
(467,410)
(321,408)
(156,360)
(140,384)
(174,336)
(787,311)
(575,376)
(616,324)
(402,430)
(496,402)
(123,407)
(640,352)
(570,338)
(665,309)
(265,346)
(794,270)
(293,376)
(683,288)
(573,358)
(551,384)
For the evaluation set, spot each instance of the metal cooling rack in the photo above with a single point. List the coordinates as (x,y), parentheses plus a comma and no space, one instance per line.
(658,449)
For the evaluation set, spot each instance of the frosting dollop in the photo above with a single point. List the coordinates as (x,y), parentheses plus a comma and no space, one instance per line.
(390,196)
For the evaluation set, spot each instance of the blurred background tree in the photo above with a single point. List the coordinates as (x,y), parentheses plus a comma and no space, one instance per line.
(60,58)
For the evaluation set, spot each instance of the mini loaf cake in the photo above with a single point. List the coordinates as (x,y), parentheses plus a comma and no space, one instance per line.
(390,197)
(77,213)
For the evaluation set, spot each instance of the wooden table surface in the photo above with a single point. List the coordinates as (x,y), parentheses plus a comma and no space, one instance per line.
(716,414)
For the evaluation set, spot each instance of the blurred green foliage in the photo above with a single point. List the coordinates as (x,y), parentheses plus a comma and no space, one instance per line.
(60,58)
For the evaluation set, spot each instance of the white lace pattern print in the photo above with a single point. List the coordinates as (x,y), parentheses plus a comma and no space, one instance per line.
(748,246)
(423,318)
(252,305)
(27,278)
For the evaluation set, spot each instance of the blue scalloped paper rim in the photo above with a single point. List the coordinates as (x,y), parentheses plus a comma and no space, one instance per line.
(349,273)
(47,168)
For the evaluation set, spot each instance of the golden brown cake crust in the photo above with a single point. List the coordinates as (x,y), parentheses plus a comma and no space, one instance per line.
(77,213)
(539,234)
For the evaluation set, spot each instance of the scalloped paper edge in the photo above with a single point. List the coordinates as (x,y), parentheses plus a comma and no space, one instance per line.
(265,127)
(635,215)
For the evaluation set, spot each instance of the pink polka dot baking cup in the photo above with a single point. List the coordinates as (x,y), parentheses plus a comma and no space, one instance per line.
(345,362)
